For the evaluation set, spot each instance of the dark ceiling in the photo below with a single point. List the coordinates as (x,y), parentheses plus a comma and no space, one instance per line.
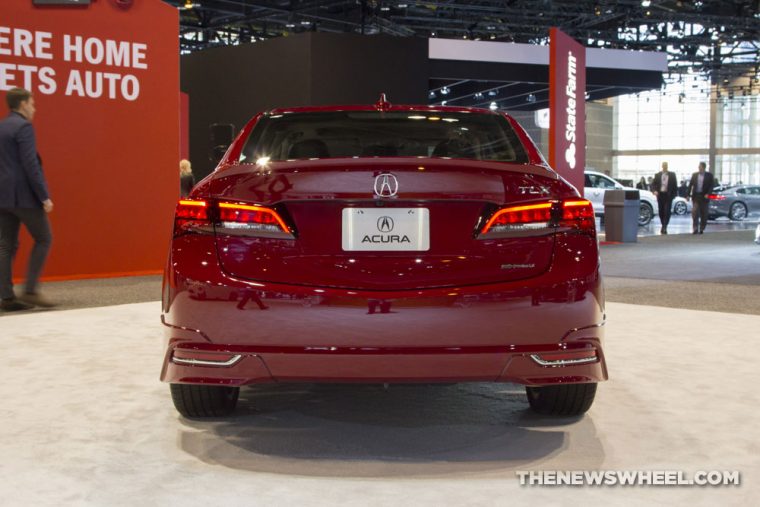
(719,39)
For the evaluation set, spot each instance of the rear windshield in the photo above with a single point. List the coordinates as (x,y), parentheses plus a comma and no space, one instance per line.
(344,134)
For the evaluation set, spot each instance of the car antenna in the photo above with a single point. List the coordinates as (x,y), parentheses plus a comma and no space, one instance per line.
(382,104)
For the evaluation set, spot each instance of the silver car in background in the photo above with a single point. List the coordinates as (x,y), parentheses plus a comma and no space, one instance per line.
(596,184)
(736,203)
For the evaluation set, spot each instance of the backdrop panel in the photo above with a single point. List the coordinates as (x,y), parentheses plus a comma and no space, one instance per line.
(567,107)
(106,84)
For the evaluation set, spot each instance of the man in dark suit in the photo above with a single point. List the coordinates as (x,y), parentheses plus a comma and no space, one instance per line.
(701,184)
(665,187)
(24,199)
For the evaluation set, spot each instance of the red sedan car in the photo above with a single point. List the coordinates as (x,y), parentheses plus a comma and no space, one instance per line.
(383,244)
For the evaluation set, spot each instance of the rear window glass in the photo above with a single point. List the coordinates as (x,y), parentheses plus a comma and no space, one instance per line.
(299,136)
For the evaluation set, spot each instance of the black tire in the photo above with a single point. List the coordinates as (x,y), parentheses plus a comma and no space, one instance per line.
(562,399)
(192,400)
(680,208)
(645,214)
(737,211)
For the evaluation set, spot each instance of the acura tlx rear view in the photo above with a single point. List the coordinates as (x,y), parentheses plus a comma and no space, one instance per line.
(383,244)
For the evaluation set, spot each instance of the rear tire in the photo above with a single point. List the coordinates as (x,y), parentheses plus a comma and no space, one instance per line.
(561,399)
(192,400)
(680,208)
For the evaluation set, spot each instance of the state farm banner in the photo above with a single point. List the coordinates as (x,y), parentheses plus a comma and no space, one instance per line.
(567,107)
(105,78)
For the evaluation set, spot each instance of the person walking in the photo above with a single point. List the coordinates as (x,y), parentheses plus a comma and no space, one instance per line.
(24,199)
(665,187)
(700,185)
(186,178)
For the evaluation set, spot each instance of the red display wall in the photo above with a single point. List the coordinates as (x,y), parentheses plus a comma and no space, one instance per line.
(106,83)
(567,107)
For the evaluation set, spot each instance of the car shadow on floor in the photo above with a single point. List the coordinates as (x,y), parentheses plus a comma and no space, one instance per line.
(405,430)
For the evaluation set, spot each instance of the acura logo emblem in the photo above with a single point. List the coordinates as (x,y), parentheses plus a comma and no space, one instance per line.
(385,224)
(386,185)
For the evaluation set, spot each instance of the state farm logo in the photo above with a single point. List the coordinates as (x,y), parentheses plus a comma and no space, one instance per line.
(385,224)
(572,108)
(386,185)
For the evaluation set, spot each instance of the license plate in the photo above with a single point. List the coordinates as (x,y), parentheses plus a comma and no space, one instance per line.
(386,229)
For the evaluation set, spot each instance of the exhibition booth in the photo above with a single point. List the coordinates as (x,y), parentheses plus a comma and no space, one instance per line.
(86,419)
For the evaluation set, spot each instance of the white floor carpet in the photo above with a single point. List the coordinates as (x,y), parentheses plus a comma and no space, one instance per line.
(84,421)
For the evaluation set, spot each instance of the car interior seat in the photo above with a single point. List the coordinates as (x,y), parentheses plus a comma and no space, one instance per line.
(309,148)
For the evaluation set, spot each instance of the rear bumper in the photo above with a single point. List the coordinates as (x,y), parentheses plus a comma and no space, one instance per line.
(297,333)
(257,364)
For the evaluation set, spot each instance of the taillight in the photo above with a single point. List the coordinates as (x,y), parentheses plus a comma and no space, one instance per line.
(530,216)
(201,216)
(248,217)
(193,210)
(547,216)
(578,214)
(716,197)
(191,215)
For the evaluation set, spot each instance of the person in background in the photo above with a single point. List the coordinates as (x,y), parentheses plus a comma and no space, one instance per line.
(682,188)
(642,184)
(24,199)
(701,184)
(186,178)
(649,183)
(665,187)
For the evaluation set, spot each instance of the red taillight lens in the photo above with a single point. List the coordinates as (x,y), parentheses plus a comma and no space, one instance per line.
(519,217)
(251,217)
(190,215)
(229,218)
(192,210)
(578,214)
(575,213)
(716,197)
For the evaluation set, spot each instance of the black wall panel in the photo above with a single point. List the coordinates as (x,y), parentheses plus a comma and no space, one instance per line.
(231,84)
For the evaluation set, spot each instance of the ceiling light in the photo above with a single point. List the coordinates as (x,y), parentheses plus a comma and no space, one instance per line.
(431,95)
(493,106)
(646,3)
(530,98)
(445,90)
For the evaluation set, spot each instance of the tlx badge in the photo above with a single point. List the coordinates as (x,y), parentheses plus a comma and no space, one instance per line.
(386,185)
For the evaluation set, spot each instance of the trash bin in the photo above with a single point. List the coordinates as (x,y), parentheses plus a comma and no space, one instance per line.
(621,215)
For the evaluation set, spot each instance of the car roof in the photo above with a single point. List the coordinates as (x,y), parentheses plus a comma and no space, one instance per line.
(389,107)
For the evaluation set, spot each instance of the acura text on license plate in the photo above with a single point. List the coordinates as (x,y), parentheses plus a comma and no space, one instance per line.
(384,229)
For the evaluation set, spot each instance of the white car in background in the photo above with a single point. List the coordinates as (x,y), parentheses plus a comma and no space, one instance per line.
(681,206)
(596,184)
